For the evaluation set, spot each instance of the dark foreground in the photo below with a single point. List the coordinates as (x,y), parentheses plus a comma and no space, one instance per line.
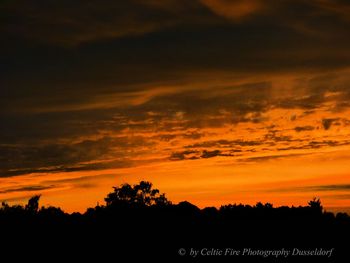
(180,232)
(123,231)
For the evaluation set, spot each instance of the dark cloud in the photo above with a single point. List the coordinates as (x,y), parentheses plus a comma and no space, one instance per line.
(335,187)
(42,77)
(74,74)
(210,154)
(224,144)
(67,23)
(318,188)
(187,135)
(85,185)
(276,136)
(32,188)
(35,128)
(315,145)
(309,102)
(304,128)
(270,157)
(327,123)
(177,156)
(205,154)
(86,155)
(184,155)
(79,22)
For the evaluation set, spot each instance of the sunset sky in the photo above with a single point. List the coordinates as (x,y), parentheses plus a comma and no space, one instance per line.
(213,101)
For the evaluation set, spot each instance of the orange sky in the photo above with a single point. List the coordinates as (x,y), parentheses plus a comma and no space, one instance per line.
(286,157)
(214,102)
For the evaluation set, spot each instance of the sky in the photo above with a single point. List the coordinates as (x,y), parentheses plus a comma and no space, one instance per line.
(213,101)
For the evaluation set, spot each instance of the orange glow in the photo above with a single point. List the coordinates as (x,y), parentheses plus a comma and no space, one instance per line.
(234,9)
(211,182)
(285,156)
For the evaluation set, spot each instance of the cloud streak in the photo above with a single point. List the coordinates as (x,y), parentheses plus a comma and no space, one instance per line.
(33,188)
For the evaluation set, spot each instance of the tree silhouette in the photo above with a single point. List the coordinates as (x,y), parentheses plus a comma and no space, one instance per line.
(315,205)
(140,194)
(33,204)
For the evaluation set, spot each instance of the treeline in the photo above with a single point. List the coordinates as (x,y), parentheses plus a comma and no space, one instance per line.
(127,200)
(139,221)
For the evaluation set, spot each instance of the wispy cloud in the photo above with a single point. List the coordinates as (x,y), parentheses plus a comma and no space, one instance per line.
(32,188)
(316,188)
